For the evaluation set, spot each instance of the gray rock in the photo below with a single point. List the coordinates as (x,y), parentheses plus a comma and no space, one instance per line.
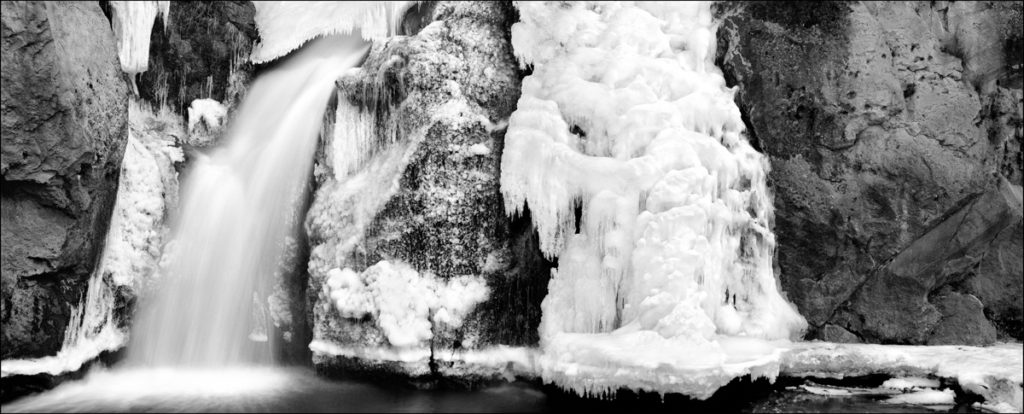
(64,110)
(881,120)
(963,321)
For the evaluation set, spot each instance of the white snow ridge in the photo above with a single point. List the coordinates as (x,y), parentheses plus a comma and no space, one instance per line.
(665,284)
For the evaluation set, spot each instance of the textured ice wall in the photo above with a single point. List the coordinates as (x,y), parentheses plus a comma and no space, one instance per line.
(286,25)
(626,118)
(133,23)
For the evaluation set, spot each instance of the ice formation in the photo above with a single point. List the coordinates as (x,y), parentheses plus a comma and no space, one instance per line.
(133,23)
(404,303)
(207,111)
(665,281)
(132,249)
(286,25)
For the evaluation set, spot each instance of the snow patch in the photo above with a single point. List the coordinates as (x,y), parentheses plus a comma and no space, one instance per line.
(925,397)
(479,149)
(910,383)
(206,111)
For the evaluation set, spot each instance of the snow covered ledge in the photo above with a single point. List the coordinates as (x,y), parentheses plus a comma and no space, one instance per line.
(993,373)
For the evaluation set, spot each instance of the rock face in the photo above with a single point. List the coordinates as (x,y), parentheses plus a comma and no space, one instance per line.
(64,109)
(894,133)
(200,52)
(445,93)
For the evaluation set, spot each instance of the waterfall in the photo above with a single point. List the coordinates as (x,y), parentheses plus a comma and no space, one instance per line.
(238,206)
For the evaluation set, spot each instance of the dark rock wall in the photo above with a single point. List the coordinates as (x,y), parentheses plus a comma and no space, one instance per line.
(201,51)
(894,133)
(64,110)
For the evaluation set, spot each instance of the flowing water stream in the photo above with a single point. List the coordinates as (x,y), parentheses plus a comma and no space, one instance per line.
(239,204)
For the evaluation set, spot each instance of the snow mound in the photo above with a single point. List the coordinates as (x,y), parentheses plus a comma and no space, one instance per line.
(206,111)
(286,25)
(403,302)
(626,117)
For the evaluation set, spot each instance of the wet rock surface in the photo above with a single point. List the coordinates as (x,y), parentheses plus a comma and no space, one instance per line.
(885,124)
(64,108)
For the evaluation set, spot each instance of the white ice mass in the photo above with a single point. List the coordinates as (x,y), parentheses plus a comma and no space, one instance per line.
(286,25)
(665,281)
(133,24)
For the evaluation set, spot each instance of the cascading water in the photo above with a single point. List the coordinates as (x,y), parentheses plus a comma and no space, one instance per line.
(239,204)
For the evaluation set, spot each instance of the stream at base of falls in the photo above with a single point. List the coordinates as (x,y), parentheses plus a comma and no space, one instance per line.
(275,389)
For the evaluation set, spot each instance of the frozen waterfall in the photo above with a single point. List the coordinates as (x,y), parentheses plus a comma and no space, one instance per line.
(628,150)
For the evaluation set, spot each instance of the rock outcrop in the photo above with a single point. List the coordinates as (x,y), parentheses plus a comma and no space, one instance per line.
(64,109)
(201,51)
(894,132)
(427,195)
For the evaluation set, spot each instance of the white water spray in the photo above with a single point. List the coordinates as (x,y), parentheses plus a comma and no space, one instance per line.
(239,204)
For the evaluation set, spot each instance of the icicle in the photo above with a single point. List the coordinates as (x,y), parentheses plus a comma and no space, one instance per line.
(133,24)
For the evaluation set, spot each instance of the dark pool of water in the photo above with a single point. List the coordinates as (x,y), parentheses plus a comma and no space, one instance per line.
(299,390)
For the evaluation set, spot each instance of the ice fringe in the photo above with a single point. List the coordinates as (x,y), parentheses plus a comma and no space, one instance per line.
(133,23)
(286,25)
(665,282)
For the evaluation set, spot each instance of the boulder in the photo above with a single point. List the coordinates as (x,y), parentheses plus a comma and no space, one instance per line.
(438,100)
(64,110)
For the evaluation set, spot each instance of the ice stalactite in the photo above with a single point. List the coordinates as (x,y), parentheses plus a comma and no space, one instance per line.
(626,118)
(286,25)
(133,23)
(132,248)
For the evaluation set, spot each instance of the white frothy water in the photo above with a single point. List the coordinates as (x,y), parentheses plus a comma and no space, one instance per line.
(239,204)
